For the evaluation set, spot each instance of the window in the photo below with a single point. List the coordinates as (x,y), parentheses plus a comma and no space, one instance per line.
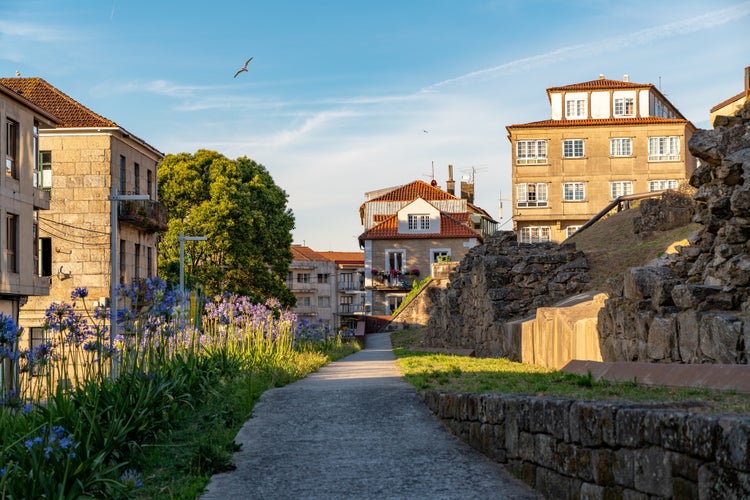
(149,262)
(573,148)
(532,195)
(45,257)
(662,185)
(324,301)
(531,152)
(440,255)
(620,188)
(150,184)
(621,146)
(624,106)
(37,159)
(570,230)
(11,155)
(303,301)
(136,178)
(322,278)
(137,265)
(419,222)
(393,303)
(574,191)
(575,108)
(122,174)
(45,170)
(303,277)
(534,234)
(37,339)
(664,148)
(11,235)
(122,261)
(394,260)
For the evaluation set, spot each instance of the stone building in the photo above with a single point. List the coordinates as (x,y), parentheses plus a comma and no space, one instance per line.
(604,139)
(349,305)
(734,104)
(83,162)
(409,227)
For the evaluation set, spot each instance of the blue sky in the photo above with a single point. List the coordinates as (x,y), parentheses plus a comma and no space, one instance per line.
(344,97)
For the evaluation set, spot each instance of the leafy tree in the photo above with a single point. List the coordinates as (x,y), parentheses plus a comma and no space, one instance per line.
(243,214)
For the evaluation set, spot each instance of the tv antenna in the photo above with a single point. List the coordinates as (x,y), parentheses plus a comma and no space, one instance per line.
(432,174)
(473,171)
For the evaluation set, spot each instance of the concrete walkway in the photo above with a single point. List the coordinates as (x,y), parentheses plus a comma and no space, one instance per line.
(356,429)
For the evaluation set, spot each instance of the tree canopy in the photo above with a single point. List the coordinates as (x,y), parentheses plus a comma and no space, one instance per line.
(243,214)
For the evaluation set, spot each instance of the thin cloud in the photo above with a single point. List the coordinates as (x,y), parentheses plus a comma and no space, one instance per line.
(310,125)
(642,37)
(33,32)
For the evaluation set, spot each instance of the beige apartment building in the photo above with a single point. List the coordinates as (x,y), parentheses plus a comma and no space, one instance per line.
(730,106)
(328,286)
(604,139)
(21,200)
(83,162)
(407,229)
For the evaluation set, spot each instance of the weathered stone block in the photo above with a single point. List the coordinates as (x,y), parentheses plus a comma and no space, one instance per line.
(733,449)
(545,447)
(639,282)
(719,334)
(662,336)
(718,482)
(652,473)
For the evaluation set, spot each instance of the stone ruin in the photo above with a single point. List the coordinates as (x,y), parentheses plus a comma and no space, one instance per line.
(695,306)
(499,281)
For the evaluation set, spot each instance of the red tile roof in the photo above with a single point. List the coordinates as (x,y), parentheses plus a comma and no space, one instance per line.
(345,257)
(70,112)
(650,120)
(449,228)
(300,252)
(600,84)
(414,190)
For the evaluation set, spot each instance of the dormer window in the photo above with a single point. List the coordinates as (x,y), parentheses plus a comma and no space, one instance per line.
(575,108)
(419,222)
(624,106)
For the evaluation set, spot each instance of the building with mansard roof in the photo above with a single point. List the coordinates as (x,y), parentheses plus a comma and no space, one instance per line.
(604,139)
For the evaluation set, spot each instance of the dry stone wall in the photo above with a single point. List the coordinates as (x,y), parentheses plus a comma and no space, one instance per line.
(695,306)
(569,449)
(500,281)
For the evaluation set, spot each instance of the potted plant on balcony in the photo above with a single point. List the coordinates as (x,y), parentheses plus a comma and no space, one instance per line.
(414,272)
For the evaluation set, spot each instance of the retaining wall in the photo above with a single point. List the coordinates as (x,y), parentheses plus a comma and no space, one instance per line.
(570,449)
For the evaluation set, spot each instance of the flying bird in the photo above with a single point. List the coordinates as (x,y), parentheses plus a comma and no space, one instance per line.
(244,68)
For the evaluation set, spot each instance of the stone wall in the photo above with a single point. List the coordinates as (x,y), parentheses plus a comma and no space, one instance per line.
(694,307)
(497,282)
(569,449)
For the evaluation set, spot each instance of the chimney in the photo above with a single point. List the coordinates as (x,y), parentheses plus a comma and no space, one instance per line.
(747,82)
(625,78)
(467,191)
(450,184)
(601,76)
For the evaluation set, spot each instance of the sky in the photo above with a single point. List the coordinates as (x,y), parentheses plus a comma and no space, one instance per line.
(343,97)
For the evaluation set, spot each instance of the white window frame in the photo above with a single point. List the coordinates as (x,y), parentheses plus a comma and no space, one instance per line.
(304,301)
(393,263)
(419,222)
(540,195)
(575,108)
(620,188)
(324,302)
(574,191)
(663,184)
(531,152)
(664,148)
(624,106)
(535,234)
(621,146)
(435,252)
(573,148)
(393,301)
(571,230)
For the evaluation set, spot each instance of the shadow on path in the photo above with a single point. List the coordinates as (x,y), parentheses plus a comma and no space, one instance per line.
(356,429)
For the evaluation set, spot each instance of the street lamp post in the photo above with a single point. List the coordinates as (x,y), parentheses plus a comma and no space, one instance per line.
(114,198)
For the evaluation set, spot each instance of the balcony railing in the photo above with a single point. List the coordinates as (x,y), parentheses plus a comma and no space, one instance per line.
(146,214)
(351,308)
(351,285)
(400,282)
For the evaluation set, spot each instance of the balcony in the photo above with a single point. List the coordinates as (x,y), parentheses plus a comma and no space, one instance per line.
(351,309)
(397,282)
(301,286)
(351,286)
(41,199)
(148,215)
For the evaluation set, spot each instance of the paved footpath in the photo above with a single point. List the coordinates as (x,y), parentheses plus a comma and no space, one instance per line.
(356,430)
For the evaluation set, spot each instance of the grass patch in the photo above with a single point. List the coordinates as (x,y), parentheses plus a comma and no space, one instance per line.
(451,373)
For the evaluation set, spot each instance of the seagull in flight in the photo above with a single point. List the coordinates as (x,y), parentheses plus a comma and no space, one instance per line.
(244,68)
